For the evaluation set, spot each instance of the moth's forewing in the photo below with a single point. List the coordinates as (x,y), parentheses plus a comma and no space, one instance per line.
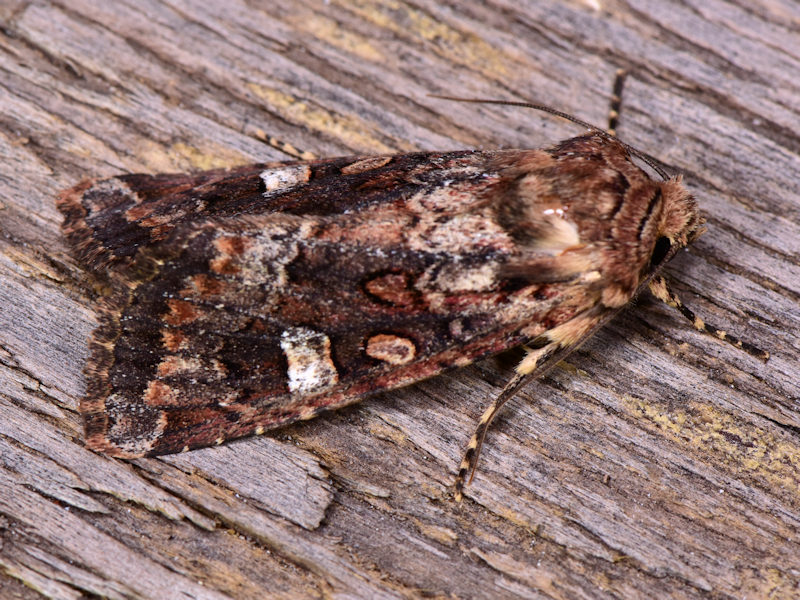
(241,300)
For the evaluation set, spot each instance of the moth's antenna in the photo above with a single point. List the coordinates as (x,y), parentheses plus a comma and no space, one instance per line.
(652,162)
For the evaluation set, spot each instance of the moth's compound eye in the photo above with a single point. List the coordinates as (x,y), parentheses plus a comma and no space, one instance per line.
(660,251)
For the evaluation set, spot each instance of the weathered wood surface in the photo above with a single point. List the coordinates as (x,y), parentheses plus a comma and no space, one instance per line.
(657,462)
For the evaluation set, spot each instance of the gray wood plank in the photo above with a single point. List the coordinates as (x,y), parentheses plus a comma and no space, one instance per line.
(655,461)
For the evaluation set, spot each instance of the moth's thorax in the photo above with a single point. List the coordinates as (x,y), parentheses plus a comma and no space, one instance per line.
(586,204)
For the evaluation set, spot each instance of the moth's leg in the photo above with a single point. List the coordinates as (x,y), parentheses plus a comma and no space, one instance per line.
(284,146)
(543,353)
(536,362)
(616,101)
(661,290)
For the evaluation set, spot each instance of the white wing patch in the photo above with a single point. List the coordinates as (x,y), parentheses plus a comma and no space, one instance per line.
(280,179)
(308,353)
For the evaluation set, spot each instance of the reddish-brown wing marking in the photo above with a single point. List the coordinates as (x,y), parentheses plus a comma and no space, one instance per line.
(245,299)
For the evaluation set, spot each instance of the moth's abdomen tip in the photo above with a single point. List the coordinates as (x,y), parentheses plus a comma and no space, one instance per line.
(71,197)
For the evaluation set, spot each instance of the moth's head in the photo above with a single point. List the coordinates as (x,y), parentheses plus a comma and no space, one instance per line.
(677,225)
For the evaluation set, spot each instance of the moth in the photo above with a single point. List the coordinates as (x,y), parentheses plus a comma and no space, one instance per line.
(235,301)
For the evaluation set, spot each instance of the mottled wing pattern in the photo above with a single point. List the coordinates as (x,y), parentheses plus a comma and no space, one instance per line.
(249,298)
(107,221)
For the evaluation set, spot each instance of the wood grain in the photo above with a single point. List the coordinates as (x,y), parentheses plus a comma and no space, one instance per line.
(656,462)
